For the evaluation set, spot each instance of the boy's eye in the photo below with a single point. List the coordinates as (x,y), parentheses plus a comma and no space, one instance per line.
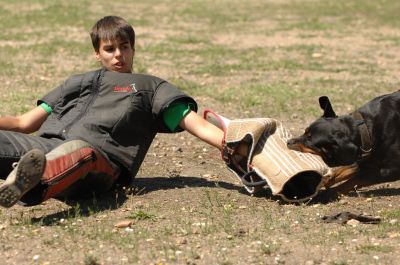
(108,48)
(124,47)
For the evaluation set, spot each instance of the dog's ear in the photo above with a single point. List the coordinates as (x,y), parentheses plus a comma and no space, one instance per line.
(326,106)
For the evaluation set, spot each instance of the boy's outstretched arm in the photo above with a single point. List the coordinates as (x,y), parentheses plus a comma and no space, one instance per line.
(28,122)
(202,129)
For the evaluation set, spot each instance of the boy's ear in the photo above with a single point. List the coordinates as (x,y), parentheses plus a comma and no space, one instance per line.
(326,106)
(97,55)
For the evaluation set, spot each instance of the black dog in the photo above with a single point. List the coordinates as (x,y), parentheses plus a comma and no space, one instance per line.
(367,142)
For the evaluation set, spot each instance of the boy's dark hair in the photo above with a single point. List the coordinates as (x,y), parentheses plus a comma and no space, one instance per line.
(112,28)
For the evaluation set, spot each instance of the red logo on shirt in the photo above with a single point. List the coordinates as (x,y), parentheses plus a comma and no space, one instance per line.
(126,89)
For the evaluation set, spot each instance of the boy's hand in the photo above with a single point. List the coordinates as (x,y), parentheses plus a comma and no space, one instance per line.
(236,153)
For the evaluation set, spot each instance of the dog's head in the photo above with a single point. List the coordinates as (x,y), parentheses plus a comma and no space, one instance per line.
(330,137)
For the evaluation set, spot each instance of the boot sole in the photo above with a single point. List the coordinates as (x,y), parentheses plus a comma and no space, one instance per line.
(24,177)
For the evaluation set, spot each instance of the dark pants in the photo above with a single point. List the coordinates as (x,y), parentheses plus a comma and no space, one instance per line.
(13,145)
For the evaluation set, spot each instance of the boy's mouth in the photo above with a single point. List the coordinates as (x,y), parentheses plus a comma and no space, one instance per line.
(119,64)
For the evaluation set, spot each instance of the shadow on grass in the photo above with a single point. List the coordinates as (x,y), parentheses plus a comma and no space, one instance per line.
(381,192)
(85,207)
(115,198)
(326,196)
(143,185)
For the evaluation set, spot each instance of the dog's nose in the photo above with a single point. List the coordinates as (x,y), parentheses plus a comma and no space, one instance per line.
(290,142)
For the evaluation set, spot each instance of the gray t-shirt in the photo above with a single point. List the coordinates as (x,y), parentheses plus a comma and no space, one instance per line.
(119,113)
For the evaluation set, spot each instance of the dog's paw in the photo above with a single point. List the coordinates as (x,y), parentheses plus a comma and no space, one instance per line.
(326,196)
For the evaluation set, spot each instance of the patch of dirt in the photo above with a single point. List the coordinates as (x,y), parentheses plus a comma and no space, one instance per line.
(185,206)
(191,210)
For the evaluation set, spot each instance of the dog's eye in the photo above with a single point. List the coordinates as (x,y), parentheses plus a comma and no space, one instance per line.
(340,134)
(308,137)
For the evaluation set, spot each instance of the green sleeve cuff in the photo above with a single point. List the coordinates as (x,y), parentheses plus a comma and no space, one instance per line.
(174,114)
(46,108)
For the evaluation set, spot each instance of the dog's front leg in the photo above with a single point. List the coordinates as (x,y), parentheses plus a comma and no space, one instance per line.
(336,175)
(333,193)
(340,174)
(363,178)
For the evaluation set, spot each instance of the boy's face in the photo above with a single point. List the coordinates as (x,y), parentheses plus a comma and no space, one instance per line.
(116,55)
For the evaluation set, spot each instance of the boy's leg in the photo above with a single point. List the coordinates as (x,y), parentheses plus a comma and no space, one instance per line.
(14,145)
(27,152)
(66,163)
(70,167)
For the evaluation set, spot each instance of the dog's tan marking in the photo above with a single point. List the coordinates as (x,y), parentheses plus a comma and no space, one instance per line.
(301,148)
(340,174)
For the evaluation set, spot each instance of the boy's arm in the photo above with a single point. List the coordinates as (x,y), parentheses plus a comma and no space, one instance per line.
(28,122)
(202,129)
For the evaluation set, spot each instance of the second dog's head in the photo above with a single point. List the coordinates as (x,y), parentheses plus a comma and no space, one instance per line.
(330,137)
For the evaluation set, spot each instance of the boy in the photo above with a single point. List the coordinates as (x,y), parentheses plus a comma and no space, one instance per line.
(94,128)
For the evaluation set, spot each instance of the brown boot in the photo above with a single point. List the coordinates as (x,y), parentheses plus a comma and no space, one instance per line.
(25,176)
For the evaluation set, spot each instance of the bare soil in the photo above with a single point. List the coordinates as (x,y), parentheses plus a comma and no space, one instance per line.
(185,206)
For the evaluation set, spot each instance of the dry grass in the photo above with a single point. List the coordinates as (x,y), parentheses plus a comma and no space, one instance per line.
(243,59)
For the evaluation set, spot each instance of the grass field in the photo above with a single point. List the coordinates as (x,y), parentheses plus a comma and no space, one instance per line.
(242,58)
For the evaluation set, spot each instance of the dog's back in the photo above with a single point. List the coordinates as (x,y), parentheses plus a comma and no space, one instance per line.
(381,106)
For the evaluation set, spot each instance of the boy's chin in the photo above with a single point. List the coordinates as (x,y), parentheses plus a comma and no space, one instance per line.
(120,70)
